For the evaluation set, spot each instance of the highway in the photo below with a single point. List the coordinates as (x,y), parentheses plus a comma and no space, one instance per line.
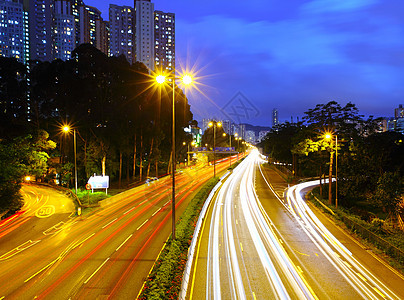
(255,245)
(106,254)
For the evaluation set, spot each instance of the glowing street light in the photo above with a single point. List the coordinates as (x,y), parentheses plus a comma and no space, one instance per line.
(67,129)
(187,80)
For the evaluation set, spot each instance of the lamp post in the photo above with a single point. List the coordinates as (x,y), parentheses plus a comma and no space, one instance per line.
(336,171)
(224,134)
(187,80)
(329,137)
(214,124)
(184,143)
(67,129)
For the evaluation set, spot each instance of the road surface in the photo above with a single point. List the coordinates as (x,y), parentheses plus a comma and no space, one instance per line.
(256,246)
(107,254)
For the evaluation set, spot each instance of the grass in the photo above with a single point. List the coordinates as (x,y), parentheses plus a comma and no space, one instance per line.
(91,199)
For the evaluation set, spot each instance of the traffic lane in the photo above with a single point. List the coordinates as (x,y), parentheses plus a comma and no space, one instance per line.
(61,241)
(320,273)
(74,231)
(101,214)
(142,261)
(370,260)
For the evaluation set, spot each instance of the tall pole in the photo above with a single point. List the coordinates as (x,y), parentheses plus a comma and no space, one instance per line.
(75,160)
(173,163)
(330,178)
(188,157)
(230,148)
(214,150)
(336,171)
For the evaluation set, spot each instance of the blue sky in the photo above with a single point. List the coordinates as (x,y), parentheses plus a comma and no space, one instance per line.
(257,55)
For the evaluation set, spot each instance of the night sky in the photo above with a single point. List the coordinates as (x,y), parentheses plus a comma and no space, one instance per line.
(257,55)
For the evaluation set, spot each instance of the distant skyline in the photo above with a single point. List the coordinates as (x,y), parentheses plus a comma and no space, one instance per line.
(259,55)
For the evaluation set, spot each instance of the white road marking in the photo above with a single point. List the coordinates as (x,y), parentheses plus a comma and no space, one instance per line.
(96,271)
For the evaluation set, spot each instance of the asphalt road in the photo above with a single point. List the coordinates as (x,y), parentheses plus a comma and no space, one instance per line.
(255,245)
(45,209)
(106,254)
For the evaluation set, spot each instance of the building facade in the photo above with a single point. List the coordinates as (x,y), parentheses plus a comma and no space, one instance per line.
(121,31)
(64,38)
(14,30)
(164,39)
(144,27)
(40,16)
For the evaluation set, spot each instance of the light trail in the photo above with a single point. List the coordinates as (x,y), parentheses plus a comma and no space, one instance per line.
(361,279)
(237,196)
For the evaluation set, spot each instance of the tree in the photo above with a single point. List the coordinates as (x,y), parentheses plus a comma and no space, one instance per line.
(390,188)
(22,156)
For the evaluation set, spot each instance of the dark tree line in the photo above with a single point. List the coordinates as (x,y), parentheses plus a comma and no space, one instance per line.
(122,119)
(370,163)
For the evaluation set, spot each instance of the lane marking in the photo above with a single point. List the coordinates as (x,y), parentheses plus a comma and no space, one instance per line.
(18,249)
(129,210)
(110,223)
(347,264)
(380,293)
(255,298)
(299,269)
(241,245)
(142,224)
(84,240)
(124,242)
(156,212)
(96,271)
(360,275)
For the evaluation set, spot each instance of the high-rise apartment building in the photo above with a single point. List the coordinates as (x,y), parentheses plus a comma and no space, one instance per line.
(93,15)
(121,31)
(64,38)
(102,36)
(40,15)
(144,26)
(164,38)
(399,112)
(76,4)
(14,30)
(275,120)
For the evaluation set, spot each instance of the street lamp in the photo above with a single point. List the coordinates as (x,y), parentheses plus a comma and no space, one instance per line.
(67,129)
(186,80)
(214,124)
(329,137)
(224,134)
(184,143)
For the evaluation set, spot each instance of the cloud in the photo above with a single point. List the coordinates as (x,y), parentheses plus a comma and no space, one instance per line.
(349,53)
(324,6)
